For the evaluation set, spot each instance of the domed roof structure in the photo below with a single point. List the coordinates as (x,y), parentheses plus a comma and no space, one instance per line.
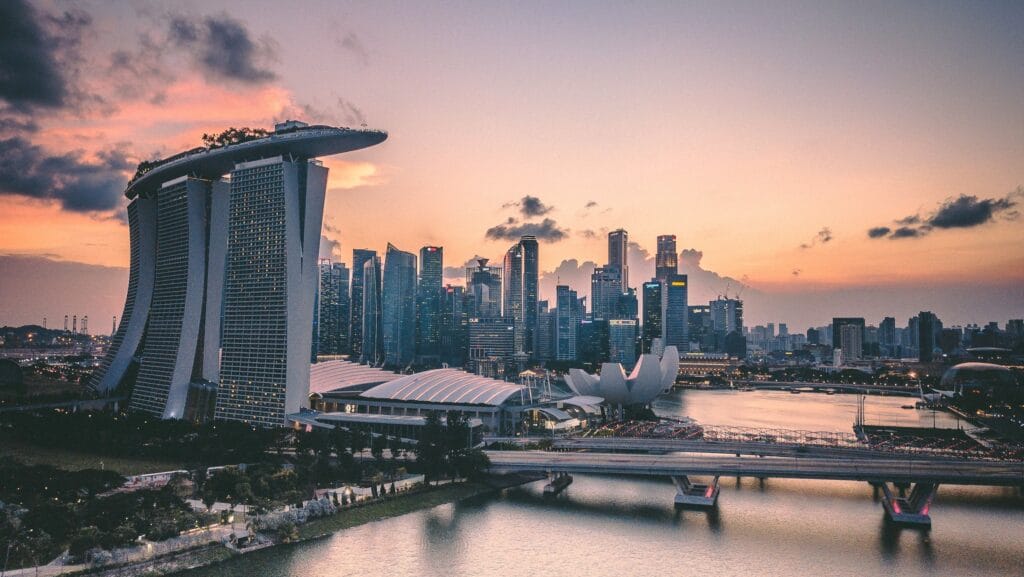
(982,380)
(649,378)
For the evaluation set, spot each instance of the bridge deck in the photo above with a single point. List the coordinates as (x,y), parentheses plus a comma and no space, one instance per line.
(847,469)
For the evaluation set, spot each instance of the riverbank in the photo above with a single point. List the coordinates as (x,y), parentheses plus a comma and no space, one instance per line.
(401,504)
(77,460)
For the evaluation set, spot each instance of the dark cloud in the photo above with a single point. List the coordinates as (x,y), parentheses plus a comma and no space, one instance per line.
(20,125)
(824,235)
(530,206)
(35,50)
(796,272)
(587,233)
(906,232)
(591,204)
(352,44)
(26,169)
(511,229)
(965,211)
(224,48)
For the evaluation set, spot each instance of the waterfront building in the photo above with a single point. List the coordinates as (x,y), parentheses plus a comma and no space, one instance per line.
(727,315)
(675,329)
(398,311)
(428,304)
(224,275)
(666,260)
(618,246)
(851,341)
(359,258)
(701,327)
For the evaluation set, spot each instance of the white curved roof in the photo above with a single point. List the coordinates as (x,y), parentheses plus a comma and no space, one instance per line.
(649,378)
(340,375)
(446,386)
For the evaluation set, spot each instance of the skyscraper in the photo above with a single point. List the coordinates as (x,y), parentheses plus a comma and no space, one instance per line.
(186,207)
(837,329)
(887,337)
(223,276)
(605,292)
(484,286)
(622,341)
(727,315)
(666,261)
(566,323)
(333,318)
(372,352)
(851,341)
(399,308)
(454,326)
(531,291)
(359,258)
(652,313)
(929,327)
(513,306)
(428,304)
(675,329)
(618,245)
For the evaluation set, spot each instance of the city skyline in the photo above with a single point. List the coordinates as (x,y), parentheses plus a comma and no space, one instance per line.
(778,161)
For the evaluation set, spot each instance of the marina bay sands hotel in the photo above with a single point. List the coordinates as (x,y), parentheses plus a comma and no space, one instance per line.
(223,276)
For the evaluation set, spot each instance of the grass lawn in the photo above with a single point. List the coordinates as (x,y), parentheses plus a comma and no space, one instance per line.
(398,505)
(75,461)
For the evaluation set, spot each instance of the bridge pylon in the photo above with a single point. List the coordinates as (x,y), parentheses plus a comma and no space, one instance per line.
(698,495)
(910,510)
(557,482)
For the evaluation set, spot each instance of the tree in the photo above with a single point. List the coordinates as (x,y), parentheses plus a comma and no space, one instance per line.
(377,446)
(358,442)
(430,448)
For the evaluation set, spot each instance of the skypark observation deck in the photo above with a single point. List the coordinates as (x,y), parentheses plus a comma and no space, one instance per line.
(296,142)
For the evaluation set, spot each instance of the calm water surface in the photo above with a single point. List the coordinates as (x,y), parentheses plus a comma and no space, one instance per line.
(607,526)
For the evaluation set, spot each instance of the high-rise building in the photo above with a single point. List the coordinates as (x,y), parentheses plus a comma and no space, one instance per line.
(605,292)
(399,308)
(372,352)
(567,317)
(513,305)
(520,278)
(491,346)
(186,209)
(701,326)
(837,331)
(622,341)
(652,313)
(887,337)
(428,304)
(531,290)
(618,245)
(675,329)
(929,327)
(359,258)
(454,326)
(666,260)
(332,323)
(727,315)
(484,286)
(545,339)
(851,341)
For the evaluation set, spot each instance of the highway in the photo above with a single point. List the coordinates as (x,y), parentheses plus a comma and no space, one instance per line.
(877,470)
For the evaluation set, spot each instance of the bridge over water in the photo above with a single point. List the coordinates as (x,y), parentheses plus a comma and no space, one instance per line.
(825,456)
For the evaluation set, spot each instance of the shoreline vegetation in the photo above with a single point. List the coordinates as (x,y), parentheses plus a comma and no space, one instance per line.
(383,508)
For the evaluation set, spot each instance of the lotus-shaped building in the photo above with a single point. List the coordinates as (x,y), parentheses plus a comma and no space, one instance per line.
(649,378)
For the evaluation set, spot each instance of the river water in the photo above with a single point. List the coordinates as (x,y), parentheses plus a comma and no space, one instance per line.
(608,526)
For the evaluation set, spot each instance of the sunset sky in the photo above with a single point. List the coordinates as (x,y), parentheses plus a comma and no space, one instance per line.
(826,159)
